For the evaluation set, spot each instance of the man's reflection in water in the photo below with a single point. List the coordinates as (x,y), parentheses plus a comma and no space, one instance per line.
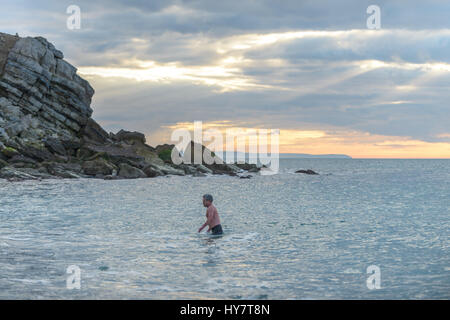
(211,250)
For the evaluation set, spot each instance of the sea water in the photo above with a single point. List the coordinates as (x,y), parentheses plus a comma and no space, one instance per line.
(286,236)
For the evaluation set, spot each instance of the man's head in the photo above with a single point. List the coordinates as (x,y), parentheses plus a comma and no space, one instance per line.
(207,200)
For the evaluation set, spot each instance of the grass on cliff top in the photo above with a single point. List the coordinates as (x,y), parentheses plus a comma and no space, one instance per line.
(165,155)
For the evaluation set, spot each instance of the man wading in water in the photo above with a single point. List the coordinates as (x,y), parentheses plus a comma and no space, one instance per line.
(212,216)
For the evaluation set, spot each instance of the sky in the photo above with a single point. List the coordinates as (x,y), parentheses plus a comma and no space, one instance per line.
(312,69)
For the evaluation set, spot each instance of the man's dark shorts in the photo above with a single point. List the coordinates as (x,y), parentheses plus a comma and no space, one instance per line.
(217,230)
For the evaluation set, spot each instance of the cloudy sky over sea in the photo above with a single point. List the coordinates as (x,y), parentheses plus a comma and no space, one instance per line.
(309,68)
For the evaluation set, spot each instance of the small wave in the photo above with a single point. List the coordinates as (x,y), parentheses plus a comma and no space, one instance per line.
(32,281)
(230,284)
(242,238)
(16,239)
(351,271)
(162,288)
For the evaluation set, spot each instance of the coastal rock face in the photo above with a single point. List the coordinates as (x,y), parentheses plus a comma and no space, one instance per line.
(41,96)
(127,171)
(46,129)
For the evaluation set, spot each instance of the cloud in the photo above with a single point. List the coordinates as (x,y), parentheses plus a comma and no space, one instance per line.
(300,66)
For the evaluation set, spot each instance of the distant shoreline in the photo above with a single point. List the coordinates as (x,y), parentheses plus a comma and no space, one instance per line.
(313,156)
(322,156)
(350,158)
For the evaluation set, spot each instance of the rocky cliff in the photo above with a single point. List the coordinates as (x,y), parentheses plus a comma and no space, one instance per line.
(46,129)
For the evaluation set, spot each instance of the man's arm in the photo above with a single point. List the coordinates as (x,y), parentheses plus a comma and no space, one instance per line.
(203,226)
(208,221)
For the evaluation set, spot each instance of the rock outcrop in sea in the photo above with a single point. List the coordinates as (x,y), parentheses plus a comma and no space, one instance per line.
(309,171)
(46,129)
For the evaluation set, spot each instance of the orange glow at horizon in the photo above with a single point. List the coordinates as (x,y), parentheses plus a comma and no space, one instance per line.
(352,143)
(365,145)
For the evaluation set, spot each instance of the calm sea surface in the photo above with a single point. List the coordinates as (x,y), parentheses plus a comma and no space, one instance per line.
(287,236)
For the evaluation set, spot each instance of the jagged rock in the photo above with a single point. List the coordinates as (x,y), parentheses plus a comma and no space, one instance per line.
(21,159)
(199,174)
(98,166)
(94,133)
(147,153)
(3,163)
(223,168)
(7,42)
(3,134)
(234,167)
(39,173)
(173,171)
(309,171)
(187,168)
(39,154)
(115,153)
(65,170)
(152,171)
(113,177)
(250,167)
(248,176)
(2,156)
(201,168)
(22,165)
(55,146)
(130,172)
(130,137)
(41,94)
(19,174)
(217,167)
(195,152)
(9,152)
(15,174)
(71,146)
